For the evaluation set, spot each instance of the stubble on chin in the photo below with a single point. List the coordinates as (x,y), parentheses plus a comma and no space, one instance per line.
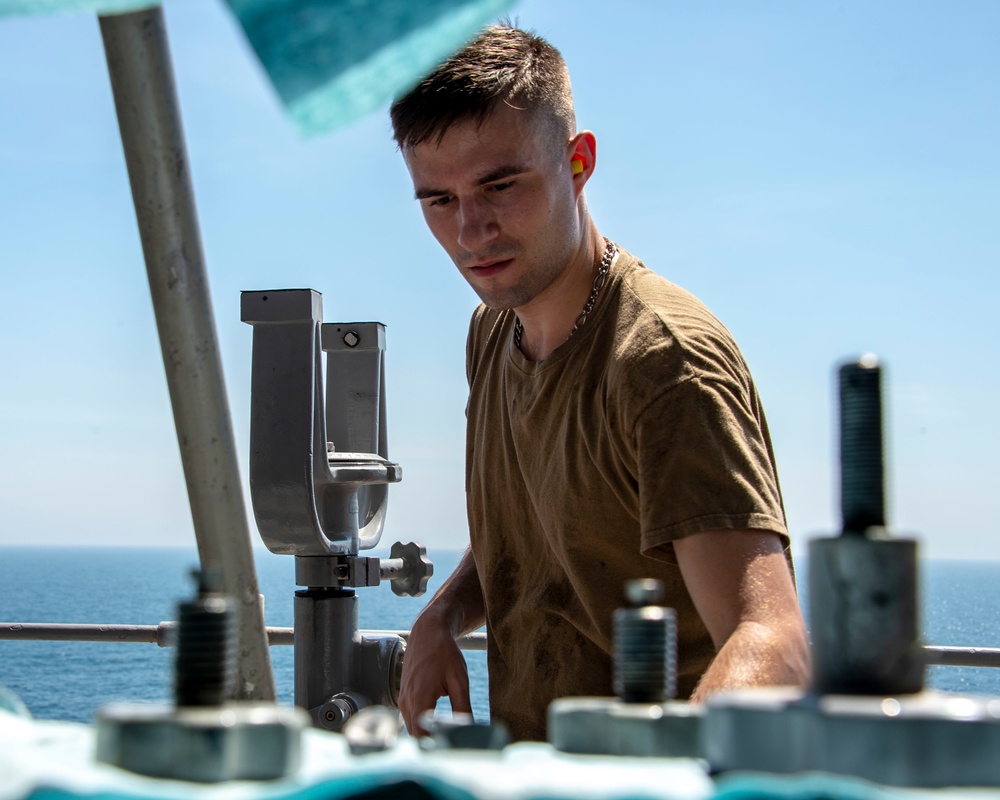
(519,294)
(498,298)
(503,304)
(532,276)
(501,300)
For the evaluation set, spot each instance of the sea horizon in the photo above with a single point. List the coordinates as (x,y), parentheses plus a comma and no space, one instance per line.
(141,585)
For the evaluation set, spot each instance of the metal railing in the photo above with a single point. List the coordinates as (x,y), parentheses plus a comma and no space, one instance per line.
(162,635)
(939,656)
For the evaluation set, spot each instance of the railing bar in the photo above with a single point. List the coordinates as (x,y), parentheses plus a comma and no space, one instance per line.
(936,655)
(162,634)
(471,641)
(962,656)
(78,633)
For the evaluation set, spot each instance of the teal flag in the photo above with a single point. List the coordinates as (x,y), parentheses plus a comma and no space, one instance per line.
(10,8)
(332,61)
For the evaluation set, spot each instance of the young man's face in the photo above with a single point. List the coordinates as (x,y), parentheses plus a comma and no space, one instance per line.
(501,200)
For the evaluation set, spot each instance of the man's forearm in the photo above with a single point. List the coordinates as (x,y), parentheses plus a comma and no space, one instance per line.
(742,586)
(758,655)
(458,604)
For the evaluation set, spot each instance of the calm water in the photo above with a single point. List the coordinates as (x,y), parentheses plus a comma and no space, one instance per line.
(69,680)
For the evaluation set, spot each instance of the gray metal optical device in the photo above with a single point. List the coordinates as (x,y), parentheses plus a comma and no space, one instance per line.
(319,475)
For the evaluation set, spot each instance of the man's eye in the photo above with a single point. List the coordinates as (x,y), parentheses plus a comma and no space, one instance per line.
(499,187)
(440,201)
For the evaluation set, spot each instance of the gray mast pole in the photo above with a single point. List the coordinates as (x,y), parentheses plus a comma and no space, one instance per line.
(149,119)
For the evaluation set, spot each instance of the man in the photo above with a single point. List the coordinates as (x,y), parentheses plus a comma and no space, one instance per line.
(614,431)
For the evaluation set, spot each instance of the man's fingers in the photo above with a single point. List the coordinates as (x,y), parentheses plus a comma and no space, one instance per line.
(433,667)
(458,694)
(456,689)
(412,711)
(412,717)
(413,725)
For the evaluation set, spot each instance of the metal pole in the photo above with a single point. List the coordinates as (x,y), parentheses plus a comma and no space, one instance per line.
(62,632)
(326,626)
(941,656)
(163,633)
(149,119)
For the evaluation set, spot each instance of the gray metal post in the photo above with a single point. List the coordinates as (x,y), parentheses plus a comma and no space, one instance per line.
(337,670)
(863,587)
(149,119)
(326,623)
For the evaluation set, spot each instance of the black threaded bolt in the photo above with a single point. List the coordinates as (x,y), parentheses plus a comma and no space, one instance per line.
(862,492)
(645,646)
(206,647)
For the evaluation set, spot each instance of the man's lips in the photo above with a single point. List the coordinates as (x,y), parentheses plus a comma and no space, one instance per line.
(490,269)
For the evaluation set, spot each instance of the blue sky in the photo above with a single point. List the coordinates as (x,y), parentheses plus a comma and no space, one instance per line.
(823,175)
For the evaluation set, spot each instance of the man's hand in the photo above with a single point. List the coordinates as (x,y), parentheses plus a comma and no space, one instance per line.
(433,667)
(433,664)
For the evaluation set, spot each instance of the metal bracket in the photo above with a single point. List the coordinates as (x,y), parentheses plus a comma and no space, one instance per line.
(310,499)
(408,569)
(318,478)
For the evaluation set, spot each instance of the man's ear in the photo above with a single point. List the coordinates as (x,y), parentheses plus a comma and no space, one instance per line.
(582,155)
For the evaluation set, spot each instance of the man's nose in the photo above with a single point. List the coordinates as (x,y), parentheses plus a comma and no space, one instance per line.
(477,225)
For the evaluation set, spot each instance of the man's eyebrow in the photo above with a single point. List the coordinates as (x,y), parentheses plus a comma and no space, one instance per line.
(502,172)
(505,171)
(424,194)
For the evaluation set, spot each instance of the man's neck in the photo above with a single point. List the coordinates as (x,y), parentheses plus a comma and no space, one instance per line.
(548,320)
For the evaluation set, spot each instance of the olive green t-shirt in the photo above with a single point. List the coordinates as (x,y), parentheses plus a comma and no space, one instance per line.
(643,427)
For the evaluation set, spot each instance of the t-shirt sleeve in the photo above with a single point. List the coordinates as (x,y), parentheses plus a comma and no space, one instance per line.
(471,344)
(704,462)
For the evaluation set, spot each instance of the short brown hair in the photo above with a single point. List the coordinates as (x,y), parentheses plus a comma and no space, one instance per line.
(502,64)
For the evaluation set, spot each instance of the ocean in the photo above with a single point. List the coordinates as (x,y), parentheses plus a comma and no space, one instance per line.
(141,586)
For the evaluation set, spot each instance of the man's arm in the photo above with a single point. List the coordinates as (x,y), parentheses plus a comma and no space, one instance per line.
(742,587)
(433,665)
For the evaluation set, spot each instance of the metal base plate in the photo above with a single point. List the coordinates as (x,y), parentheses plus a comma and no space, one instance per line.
(607,726)
(239,741)
(927,739)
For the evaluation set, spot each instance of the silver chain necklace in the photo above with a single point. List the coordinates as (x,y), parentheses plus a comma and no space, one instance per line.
(610,251)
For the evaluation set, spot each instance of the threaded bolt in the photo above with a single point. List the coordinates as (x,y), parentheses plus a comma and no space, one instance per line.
(645,642)
(206,646)
(862,488)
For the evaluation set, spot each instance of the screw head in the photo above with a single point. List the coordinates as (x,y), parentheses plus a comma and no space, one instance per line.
(351,338)
(643,592)
(336,711)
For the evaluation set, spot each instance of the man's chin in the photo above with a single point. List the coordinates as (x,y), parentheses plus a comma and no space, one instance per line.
(497,303)
(504,299)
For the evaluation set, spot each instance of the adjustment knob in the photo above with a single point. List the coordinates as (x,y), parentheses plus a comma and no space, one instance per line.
(415,569)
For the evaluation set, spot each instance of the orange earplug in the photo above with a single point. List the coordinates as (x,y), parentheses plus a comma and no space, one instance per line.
(576,163)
